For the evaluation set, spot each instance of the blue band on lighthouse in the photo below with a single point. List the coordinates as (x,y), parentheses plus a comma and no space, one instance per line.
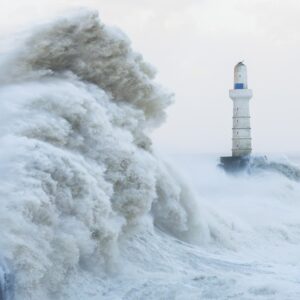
(238,86)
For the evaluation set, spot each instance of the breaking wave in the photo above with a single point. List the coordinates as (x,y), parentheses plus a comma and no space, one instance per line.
(77,169)
(280,166)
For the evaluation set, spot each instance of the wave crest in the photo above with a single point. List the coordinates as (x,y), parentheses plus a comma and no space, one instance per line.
(77,168)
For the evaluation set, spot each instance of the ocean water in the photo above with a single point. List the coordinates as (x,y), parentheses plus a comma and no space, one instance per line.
(89,210)
(246,244)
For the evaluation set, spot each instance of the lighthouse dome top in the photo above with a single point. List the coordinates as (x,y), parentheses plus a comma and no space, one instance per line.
(240,64)
(240,76)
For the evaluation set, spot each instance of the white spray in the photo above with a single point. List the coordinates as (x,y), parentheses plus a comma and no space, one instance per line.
(76,166)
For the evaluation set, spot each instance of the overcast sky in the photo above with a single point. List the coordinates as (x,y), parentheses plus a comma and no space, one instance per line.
(194,45)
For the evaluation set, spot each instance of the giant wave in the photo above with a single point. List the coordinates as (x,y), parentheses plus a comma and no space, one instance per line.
(77,167)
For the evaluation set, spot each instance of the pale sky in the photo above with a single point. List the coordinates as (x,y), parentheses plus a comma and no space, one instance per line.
(194,44)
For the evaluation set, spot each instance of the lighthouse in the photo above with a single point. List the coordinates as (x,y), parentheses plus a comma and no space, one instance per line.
(241,130)
(240,95)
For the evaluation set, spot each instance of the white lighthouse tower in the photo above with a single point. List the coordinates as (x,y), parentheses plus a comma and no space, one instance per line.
(241,130)
(240,95)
